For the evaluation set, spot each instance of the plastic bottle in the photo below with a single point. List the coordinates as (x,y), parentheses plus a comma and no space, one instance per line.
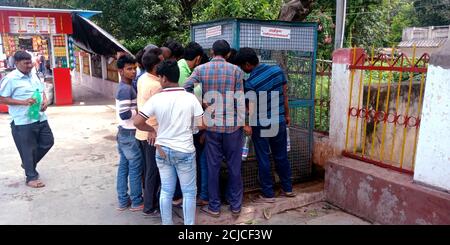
(245,148)
(33,110)
(288,140)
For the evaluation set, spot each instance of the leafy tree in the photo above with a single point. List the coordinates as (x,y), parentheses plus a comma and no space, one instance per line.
(402,15)
(217,9)
(432,12)
(369,23)
(16,3)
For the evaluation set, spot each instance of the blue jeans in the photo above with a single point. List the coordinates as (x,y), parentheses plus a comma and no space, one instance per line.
(278,146)
(130,166)
(203,177)
(182,165)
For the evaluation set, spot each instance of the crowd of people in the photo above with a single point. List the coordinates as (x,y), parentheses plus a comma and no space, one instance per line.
(178,124)
(181,115)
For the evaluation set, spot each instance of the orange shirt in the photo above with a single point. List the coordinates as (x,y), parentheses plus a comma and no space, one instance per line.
(147,86)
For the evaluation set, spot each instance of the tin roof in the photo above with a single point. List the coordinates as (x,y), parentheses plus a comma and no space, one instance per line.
(92,38)
(85,13)
(425,43)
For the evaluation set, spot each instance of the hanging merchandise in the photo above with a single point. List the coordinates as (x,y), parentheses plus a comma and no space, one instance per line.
(59,49)
(71,53)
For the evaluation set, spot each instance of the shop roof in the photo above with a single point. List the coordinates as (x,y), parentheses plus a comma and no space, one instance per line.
(85,13)
(92,38)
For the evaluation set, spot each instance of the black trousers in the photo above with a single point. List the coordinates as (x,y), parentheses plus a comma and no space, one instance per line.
(152,181)
(33,141)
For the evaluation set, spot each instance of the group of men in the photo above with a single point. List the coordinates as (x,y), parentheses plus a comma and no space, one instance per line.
(187,115)
(181,112)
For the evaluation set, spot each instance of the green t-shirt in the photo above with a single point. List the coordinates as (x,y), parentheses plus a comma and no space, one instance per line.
(185,72)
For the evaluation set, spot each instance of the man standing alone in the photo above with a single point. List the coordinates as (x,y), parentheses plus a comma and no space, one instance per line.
(33,137)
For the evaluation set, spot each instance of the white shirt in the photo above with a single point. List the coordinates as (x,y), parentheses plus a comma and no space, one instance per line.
(175,110)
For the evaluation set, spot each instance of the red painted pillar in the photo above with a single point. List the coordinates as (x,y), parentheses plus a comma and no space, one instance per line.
(62,86)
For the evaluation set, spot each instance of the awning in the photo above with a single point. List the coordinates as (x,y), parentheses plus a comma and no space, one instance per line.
(93,39)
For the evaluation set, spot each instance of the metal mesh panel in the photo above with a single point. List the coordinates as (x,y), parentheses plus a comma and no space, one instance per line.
(294,51)
(297,67)
(300,38)
(299,75)
(227,32)
(299,159)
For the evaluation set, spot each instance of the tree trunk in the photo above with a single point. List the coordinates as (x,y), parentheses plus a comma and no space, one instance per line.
(292,10)
(295,10)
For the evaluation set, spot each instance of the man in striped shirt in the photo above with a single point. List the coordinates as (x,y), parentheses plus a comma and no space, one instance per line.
(223,98)
(130,163)
(270,87)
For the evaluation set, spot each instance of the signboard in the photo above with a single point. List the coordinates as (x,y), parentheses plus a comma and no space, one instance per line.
(275,32)
(214,31)
(31,25)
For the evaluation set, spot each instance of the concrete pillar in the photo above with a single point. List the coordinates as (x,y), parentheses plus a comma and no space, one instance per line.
(433,149)
(104,68)
(90,65)
(80,77)
(340,92)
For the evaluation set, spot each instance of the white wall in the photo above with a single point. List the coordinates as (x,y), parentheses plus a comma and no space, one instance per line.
(433,149)
(104,87)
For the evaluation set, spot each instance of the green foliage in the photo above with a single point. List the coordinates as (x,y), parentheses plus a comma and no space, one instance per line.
(253,9)
(403,15)
(432,12)
(16,3)
(369,23)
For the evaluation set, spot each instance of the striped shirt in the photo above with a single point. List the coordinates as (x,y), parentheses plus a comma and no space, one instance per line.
(270,79)
(126,104)
(220,77)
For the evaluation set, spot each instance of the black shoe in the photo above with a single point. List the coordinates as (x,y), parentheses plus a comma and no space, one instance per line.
(209,212)
(154,214)
(236,213)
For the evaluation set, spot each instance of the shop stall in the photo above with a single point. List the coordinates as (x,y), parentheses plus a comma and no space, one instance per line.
(45,34)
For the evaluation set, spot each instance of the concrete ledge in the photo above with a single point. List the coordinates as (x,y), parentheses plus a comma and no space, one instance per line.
(307,193)
(383,196)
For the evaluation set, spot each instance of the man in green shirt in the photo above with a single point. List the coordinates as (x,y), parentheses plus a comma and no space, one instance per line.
(193,53)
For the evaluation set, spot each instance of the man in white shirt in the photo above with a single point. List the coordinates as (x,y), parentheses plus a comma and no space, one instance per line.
(177,113)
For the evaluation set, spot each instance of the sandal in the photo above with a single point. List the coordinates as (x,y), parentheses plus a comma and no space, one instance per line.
(35,184)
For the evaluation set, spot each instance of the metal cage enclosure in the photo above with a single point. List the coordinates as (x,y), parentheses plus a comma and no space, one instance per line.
(292,46)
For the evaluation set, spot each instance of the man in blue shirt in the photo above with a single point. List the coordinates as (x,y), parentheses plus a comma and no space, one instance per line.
(269,83)
(33,137)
